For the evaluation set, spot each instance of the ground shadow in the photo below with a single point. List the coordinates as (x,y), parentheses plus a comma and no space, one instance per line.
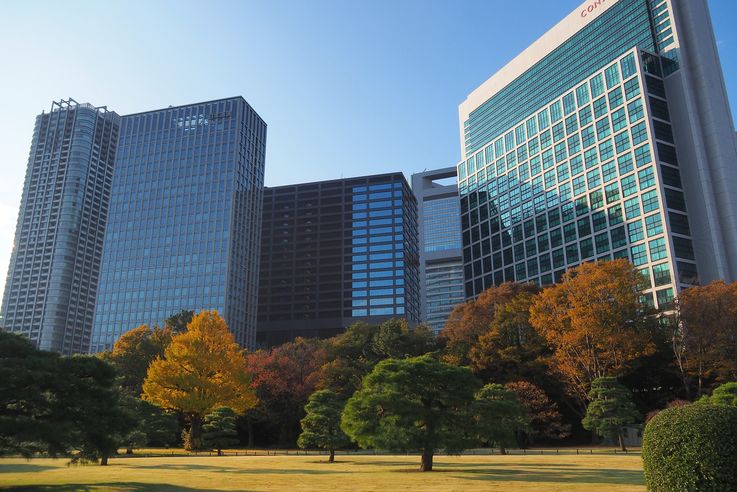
(23,468)
(100,487)
(226,469)
(560,474)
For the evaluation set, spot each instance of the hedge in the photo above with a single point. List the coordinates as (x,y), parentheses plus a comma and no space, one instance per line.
(691,448)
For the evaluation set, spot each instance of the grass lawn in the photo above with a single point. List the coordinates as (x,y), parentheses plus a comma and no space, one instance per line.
(601,473)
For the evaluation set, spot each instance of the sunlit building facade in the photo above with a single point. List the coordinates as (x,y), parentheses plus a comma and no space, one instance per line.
(185,219)
(609,137)
(55,263)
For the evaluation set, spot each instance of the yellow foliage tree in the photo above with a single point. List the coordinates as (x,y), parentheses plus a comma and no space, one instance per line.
(595,323)
(202,369)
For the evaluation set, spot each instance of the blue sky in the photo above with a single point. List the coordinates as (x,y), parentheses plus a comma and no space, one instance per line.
(347,87)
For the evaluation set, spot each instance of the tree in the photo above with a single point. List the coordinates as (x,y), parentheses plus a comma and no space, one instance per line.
(284,378)
(416,403)
(51,404)
(154,426)
(202,369)
(321,425)
(219,429)
(704,334)
(610,409)
(178,322)
(355,352)
(544,419)
(91,403)
(511,349)
(28,392)
(724,395)
(498,416)
(133,352)
(595,322)
(472,319)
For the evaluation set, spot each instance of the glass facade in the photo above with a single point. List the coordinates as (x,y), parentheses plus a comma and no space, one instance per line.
(441,265)
(54,267)
(384,251)
(337,252)
(443,291)
(589,175)
(626,24)
(441,224)
(185,219)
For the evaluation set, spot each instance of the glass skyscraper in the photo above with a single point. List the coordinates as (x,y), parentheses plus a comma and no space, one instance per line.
(185,219)
(441,261)
(609,137)
(55,263)
(336,252)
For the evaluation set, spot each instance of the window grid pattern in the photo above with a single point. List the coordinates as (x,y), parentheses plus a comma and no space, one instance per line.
(532,207)
(581,54)
(184,228)
(54,267)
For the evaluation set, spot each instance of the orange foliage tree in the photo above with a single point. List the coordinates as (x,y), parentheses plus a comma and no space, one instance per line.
(704,336)
(472,319)
(202,369)
(511,349)
(133,352)
(595,323)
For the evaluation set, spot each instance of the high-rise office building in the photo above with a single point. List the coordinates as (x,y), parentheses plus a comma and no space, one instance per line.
(609,137)
(337,252)
(441,259)
(185,219)
(55,263)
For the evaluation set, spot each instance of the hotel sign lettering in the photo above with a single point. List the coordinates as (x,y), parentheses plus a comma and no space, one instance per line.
(591,7)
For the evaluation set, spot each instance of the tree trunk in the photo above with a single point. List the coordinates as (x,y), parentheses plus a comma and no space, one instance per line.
(502,450)
(621,441)
(220,452)
(332,456)
(426,464)
(128,450)
(195,432)
(103,460)
(250,432)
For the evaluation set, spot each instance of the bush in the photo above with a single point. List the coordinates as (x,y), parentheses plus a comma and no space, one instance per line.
(691,448)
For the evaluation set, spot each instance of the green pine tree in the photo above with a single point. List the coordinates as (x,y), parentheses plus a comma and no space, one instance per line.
(321,425)
(498,416)
(610,409)
(219,429)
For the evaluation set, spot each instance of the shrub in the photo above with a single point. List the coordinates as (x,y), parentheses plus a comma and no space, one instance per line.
(691,448)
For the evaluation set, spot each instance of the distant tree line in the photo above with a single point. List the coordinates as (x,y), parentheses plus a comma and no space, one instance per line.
(517,366)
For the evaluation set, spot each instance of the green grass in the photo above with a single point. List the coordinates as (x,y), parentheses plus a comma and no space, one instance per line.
(566,472)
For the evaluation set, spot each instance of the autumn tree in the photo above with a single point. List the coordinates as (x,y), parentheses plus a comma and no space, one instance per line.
(510,349)
(472,319)
(595,322)
(219,429)
(321,424)
(202,369)
(704,334)
(499,415)
(415,403)
(544,419)
(133,352)
(610,409)
(283,377)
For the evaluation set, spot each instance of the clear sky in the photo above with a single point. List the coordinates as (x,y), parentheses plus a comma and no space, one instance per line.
(346,87)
